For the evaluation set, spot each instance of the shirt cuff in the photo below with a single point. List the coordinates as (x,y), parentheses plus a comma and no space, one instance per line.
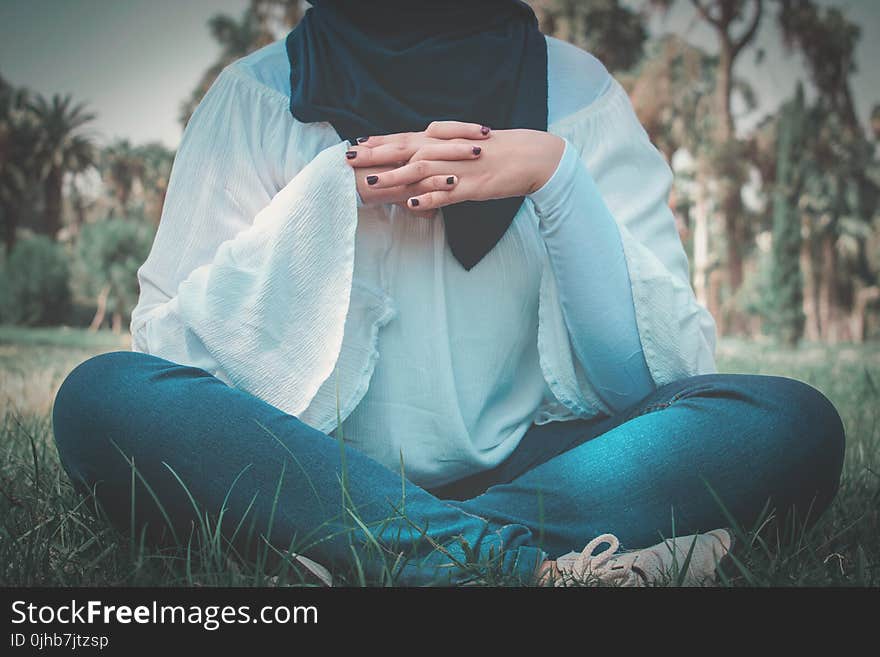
(552,194)
(571,184)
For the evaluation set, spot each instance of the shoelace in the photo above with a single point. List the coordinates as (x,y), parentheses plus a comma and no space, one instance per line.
(603,565)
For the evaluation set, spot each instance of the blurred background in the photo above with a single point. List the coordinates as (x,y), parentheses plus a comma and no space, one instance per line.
(768,111)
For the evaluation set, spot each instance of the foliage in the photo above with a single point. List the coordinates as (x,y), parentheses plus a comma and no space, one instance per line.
(41,141)
(783,296)
(258,26)
(107,256)
(827,41)
(18,134)
(608,29)
(682,94)
(61,147)
(34,287)
(840,195)
(672,91)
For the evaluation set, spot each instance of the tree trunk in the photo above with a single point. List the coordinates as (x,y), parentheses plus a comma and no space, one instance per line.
(812,330)
(159,201)
(857,319)
(117,323)
(828,289)
(52,216)
(730,201)
(725,127)
(716,278)
(79,213)
(701,244)
(102,309)
(9,214)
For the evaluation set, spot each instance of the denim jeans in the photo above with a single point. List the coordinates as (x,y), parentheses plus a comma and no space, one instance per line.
(753,438)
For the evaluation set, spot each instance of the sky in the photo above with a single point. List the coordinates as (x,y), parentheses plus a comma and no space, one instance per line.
(134,61)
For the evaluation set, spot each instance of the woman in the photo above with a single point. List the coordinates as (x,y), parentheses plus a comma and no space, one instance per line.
(417,287)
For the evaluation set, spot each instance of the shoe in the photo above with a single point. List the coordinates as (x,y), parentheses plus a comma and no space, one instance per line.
(656,564)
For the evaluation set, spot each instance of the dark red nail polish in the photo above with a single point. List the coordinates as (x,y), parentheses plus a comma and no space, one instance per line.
(351,154)
(485,130)
(372,180)
(361,140)
(414,202)
(477,150)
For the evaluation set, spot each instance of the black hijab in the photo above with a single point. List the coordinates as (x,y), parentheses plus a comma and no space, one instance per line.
(385,66)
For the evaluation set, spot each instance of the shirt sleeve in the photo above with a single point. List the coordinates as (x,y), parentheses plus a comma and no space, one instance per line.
(238,281)
(595,292)
(624,178)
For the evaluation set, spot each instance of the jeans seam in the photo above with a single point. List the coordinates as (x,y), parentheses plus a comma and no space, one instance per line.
(658,405)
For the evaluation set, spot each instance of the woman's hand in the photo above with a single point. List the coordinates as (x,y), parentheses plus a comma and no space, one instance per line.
(511,163)
(443,142)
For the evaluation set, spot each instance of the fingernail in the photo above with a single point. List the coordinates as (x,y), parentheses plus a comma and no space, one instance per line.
(372,180)
(414,202)
(351,154)
(450,180)
(361,140)
(477,150)
(485,129)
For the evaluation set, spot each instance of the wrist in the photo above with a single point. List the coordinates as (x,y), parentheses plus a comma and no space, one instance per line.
(551,147)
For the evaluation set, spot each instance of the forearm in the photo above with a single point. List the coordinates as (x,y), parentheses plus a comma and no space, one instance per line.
(587,257)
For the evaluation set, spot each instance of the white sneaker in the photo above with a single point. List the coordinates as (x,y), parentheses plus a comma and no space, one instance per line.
(649,565)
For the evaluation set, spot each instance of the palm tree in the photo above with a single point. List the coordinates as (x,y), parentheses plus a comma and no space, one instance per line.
(121,166)
(59,149)
(157,161)
(17,132)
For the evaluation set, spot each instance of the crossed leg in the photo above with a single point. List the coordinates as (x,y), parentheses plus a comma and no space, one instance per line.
(752,437)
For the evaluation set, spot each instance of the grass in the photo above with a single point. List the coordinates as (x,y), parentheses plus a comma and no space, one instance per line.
(51,536)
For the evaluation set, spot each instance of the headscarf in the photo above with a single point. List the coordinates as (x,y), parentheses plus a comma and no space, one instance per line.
(386,66)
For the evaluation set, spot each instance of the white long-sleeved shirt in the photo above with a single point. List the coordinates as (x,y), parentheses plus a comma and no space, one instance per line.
(268,273)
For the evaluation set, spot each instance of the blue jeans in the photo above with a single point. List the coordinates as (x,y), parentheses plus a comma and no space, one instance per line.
(753,438)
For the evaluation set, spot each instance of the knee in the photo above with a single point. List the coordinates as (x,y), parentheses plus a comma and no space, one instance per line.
(813,431)
(87,394)
(86,387)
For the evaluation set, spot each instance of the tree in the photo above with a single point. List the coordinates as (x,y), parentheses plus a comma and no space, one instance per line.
(137,177)
(783,297)
(157,161)
(672,93)
(59,149)
(34,288)
(735,23)
(257,27)
(840,197)
(875,121)
(17,138)
(108,254)
(122,166)
(612,32)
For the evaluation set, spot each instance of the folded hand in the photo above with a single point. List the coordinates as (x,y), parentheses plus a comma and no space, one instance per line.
(452,161)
